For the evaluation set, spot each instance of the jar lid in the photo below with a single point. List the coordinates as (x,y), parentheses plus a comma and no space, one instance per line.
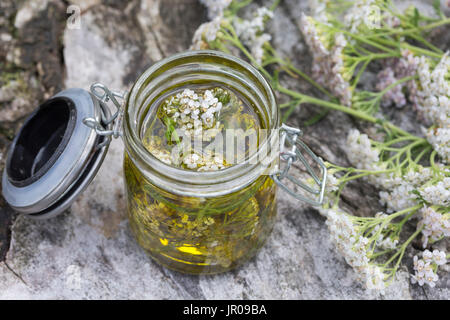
(55,155)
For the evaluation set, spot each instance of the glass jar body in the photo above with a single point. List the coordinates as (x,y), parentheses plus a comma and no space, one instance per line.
(199,222)
(199,235)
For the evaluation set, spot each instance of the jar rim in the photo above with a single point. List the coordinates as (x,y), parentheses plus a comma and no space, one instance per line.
(181,181)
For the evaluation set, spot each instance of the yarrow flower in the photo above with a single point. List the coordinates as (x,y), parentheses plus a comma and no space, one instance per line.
(439,138)
(350,242)
(425,269)
(360,151)
(395,95)
(358,14)
(438,193)
(401,189)
(215,7)
(363,155)
(329,65)
(194,112)
(251,32)
(398,198)
(345,236)
(433,97)
(332,182)
(435,225)
(319,10)
(207,32)
(396,69)
(204,161)
(191,114)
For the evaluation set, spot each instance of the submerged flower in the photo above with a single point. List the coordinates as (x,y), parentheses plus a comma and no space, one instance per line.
(192,160)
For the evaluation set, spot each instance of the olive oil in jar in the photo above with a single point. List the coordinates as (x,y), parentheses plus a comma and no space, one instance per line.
(197,234)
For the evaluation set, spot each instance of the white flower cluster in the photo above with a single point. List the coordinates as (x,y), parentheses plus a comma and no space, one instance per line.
(395,96)
(161,154)
(251,32)
(400,188)
(395,70)
(319,10)
(440,140)
(328,59)
(204,162)
(399,198)
(205,33)
(332,183)
(437,194)
(435,225)
(215,7)
(359,13)
(194,112)
(362,155)
(360,152)
(353,247)
(434,100)
(425,269)
(399,194)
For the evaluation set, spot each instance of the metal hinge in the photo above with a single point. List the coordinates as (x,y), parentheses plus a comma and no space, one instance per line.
(291,147)
(110,124)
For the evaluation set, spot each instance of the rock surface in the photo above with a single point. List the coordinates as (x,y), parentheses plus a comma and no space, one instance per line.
(89,252)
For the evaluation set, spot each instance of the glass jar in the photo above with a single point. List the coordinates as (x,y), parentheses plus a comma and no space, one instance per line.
(189,221)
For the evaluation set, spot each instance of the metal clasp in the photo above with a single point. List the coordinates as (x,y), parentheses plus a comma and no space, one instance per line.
(110,125)
(291,147)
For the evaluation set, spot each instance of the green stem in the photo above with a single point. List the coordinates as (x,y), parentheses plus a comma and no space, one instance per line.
(402,250)
(338,107)
(421,50)
(357,176)
(274,5)
(397,140)
(360,72)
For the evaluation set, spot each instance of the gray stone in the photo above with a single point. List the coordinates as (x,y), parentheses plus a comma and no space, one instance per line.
(89,251)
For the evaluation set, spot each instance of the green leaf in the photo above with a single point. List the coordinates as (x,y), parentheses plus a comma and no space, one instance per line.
(170,125)
(437,7)
(416,17)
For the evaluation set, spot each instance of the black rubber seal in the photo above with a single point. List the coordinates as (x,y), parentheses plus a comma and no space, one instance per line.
(79,182)
(41,141)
